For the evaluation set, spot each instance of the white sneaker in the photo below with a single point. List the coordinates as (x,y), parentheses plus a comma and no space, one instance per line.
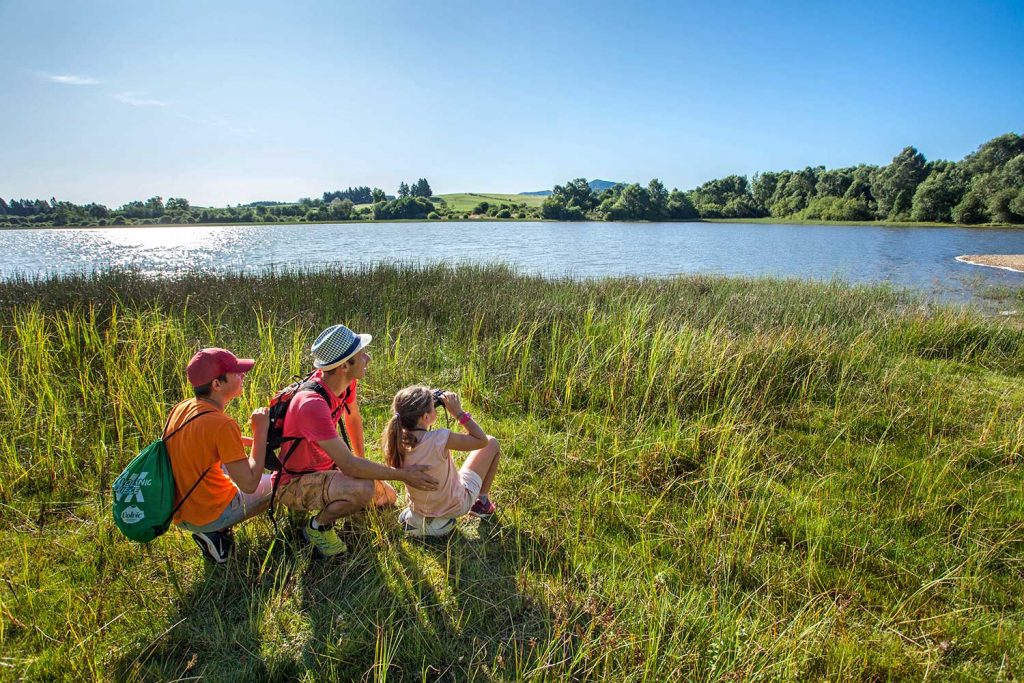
(417,525)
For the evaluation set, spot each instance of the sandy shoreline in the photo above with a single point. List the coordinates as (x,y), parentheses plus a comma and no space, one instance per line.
(1014,262)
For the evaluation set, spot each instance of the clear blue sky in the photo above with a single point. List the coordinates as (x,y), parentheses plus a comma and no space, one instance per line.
(229,102)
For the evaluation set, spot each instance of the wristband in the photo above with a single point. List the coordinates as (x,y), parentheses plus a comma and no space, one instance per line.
(464,418)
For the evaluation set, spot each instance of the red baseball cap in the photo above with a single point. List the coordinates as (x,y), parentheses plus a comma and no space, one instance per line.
(209,364)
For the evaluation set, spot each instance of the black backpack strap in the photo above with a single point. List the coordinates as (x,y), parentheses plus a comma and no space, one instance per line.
(321,391)
(182,425)
(200,479)
(185,497)
(277,480)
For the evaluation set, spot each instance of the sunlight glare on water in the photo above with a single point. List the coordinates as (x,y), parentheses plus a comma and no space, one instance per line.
(920,258)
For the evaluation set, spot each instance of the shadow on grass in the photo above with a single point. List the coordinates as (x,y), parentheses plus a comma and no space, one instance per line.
(472,606)
(459,608)
(215,632)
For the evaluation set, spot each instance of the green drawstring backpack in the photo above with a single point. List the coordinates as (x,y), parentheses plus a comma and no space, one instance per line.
(144,491)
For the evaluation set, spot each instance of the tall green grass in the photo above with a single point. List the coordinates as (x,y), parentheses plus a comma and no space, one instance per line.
(703,478)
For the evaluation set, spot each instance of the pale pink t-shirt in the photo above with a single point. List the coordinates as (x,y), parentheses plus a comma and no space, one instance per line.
(451,497)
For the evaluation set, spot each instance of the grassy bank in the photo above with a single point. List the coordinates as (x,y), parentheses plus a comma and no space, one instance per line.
(467,201)
(703,479)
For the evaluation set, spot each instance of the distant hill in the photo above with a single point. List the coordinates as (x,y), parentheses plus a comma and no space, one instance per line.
(595,185)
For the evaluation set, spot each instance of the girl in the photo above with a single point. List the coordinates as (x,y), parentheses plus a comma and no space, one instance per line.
(408,440)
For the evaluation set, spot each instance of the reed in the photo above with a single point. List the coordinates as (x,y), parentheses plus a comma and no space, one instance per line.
(704,478)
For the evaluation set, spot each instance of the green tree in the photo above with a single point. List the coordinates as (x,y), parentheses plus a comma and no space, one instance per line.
(994,154)
(657,208)
(834,183)
(575,193)
(763,187)
(340,209)
(860,184)
(970,210)
(680,207)
(935,198)
(155,207)
(893,186)
(403,190)
(403,207)
(378,195)
(421,188)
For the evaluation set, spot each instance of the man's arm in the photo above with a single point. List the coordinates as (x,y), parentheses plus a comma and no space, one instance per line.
(354,428)
(246,473)
(361,468)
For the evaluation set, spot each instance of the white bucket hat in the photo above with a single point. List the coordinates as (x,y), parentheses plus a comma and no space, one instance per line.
(337,344)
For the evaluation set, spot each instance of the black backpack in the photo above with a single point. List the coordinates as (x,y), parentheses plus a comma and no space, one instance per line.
(280,447)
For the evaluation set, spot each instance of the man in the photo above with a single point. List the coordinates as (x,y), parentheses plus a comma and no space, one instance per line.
(331,481)
(220,484)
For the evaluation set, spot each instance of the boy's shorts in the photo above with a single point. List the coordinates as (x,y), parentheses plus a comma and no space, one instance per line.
(242,506)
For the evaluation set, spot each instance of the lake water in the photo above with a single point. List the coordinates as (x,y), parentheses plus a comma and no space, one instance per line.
(919,258)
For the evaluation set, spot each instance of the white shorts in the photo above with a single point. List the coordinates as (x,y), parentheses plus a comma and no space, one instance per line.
(471,482)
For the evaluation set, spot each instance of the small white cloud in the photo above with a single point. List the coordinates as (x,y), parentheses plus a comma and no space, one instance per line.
(67,79)
(136,101)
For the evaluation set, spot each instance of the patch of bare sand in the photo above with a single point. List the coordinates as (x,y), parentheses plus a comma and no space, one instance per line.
(1014,262)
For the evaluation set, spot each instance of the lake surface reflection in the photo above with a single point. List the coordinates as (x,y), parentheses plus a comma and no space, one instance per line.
(920,258)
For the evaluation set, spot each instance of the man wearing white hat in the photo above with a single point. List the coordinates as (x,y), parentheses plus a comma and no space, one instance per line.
(335,482)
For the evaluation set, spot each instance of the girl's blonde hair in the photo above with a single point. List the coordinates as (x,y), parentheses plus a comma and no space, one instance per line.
(409,406)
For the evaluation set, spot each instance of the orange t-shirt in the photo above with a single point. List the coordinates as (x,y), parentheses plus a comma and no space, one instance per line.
(207,442)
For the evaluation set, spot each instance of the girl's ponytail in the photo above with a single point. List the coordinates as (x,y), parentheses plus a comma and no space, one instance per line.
(409,405)
(391,442)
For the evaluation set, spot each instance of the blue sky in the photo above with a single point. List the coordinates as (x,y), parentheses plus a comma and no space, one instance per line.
(230,102)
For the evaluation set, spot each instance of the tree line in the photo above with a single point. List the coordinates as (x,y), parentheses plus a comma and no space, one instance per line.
(986,186)
(337,205)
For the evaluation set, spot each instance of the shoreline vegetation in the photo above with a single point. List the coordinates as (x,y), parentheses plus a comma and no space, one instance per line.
(704,478)
(986,187)
(491,219)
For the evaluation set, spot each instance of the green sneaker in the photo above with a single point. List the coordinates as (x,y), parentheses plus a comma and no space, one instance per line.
(325,541)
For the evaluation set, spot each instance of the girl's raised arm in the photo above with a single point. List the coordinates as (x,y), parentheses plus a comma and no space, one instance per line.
(475,437)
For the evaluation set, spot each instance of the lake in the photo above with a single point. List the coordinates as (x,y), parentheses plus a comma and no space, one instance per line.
(918,258)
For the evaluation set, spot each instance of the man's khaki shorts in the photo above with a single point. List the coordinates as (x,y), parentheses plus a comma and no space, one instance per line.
(315,491)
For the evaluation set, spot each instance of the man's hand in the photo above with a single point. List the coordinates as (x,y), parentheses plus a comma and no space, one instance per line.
(260,421)
(416,476)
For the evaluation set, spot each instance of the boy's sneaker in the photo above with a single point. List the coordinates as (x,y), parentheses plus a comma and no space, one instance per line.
(325,541)
(216,545)
(419,526)
(482,510)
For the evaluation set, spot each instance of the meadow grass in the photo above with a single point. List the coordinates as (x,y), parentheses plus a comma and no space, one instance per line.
(467,201)
(703,479)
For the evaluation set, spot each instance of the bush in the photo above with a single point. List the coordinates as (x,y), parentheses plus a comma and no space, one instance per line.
(403,207)
(970,210)
(433,215)
(504,213)
(836,209)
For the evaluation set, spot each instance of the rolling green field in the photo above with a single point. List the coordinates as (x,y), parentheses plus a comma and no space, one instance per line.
(703,478)
(466,201)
